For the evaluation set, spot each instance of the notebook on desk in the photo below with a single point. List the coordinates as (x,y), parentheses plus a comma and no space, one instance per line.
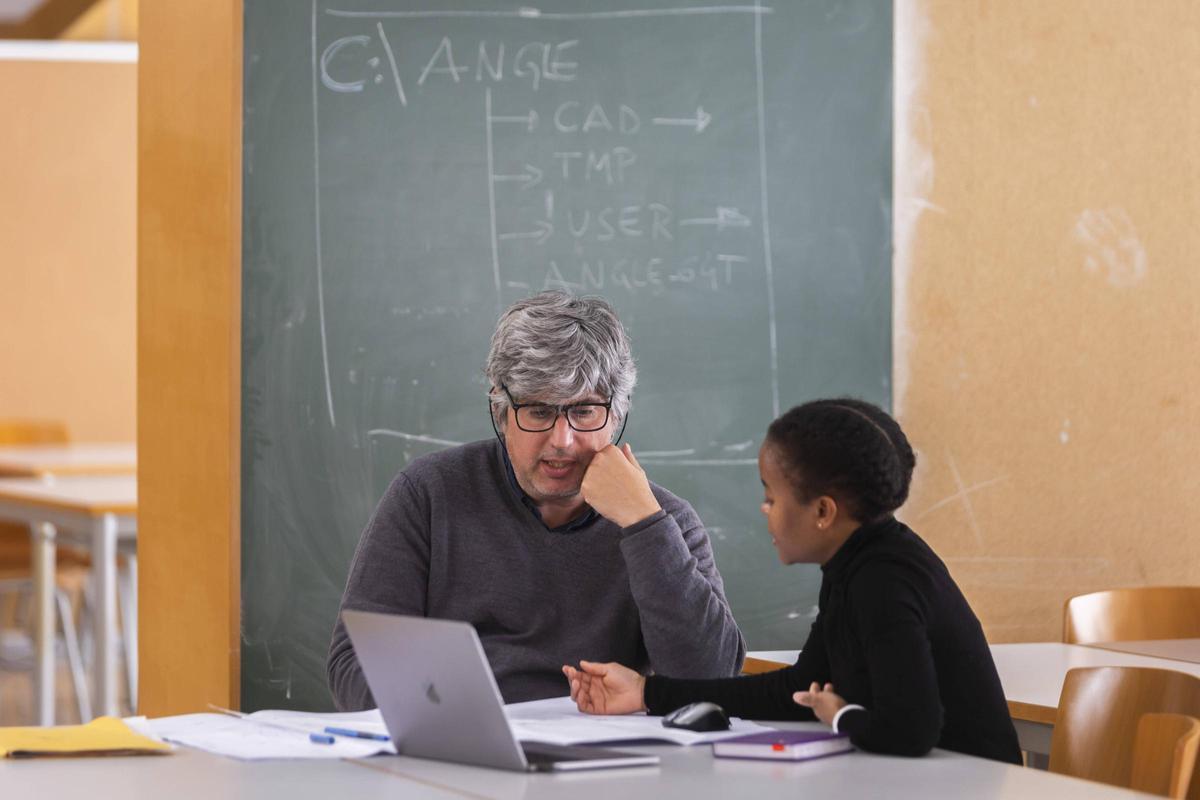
(439,698)
(784,745)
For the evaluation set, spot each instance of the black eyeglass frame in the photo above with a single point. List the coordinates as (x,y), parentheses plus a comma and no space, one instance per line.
(559,411)
(495,430)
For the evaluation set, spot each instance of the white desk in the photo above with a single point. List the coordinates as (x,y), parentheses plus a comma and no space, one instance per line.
(39,460)
(787,657)
(1174,649)
(689,772)
(99,514)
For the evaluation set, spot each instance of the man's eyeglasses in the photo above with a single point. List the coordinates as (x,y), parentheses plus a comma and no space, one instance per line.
(538,417)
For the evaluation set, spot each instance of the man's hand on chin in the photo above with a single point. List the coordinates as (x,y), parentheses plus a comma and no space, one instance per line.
(616,486)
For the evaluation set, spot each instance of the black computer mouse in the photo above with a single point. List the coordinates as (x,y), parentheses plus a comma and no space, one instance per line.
(701,716)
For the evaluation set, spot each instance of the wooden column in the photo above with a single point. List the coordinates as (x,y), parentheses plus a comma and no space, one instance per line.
(189,340)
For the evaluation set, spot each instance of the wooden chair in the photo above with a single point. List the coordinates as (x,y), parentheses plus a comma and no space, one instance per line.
(15,559)
(32,431)
(1117,615)
(14,539)
(755,666)
(1099,713)
(1164,754)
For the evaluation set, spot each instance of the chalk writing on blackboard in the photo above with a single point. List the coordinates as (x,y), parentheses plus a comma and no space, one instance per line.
(411,168)
(588,243)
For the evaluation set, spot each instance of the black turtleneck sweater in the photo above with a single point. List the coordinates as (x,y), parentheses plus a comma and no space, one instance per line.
(893,634)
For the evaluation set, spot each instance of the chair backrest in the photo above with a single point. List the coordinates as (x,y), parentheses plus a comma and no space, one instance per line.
(1147,612)
(14,539)
(757,666)
(1164,754)
(1098,714)
(32,431)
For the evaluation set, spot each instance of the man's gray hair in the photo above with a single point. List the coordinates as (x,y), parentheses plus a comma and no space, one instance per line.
(557,347)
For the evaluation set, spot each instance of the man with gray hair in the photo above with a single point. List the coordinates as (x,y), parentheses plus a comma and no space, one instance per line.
(549,539)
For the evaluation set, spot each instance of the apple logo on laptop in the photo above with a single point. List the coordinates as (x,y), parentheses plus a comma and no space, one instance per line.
(432,693)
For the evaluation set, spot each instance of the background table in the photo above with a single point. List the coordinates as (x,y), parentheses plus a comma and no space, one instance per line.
(40,460)
(685,772)
(1032,676)
(1033,673)
(1176,649)
(98,513)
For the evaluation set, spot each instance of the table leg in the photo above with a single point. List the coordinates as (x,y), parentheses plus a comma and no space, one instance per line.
(1037,761)
(1034,738)
(129,600)
(42,538)
(104,568)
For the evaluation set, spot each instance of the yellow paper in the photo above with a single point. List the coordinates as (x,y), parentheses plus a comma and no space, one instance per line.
(103,736)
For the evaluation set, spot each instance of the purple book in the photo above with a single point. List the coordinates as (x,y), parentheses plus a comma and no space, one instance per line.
(784,745)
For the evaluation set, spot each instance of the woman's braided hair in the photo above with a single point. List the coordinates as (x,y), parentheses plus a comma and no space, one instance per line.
(848,449)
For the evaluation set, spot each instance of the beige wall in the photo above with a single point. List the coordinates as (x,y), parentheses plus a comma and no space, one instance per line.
(1048,295)
(68,174)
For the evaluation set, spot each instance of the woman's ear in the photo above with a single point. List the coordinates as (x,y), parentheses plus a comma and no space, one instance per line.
(827,512)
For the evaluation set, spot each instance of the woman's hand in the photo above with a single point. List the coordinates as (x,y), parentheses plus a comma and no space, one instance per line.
(824,702)
(606,688)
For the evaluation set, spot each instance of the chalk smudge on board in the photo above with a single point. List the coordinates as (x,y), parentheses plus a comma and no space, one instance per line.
(1111,247)
(914,176)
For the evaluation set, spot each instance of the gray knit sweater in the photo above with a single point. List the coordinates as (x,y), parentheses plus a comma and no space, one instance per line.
(451,539)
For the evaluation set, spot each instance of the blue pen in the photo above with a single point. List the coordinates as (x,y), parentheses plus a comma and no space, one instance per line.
(377,737)
(320,738)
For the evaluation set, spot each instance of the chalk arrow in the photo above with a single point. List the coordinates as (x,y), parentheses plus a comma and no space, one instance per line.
(699,122)
(544,231)
(531,177)
(725,218)
(530,119)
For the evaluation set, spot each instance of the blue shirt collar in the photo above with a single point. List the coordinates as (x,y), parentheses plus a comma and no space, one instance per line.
(580,522)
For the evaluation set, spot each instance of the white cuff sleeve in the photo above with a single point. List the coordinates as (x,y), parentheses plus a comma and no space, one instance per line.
(843,710)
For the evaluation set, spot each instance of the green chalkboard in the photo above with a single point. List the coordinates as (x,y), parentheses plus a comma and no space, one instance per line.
(721,173)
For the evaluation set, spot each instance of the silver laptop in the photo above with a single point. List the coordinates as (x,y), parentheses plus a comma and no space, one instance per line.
(439,698)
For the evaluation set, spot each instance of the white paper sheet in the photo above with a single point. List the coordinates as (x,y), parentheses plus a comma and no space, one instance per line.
(141,725)
(271,734)
(284,734)
(557,721)
(365,721)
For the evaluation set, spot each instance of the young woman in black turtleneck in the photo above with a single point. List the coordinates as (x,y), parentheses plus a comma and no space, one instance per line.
(896,658)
